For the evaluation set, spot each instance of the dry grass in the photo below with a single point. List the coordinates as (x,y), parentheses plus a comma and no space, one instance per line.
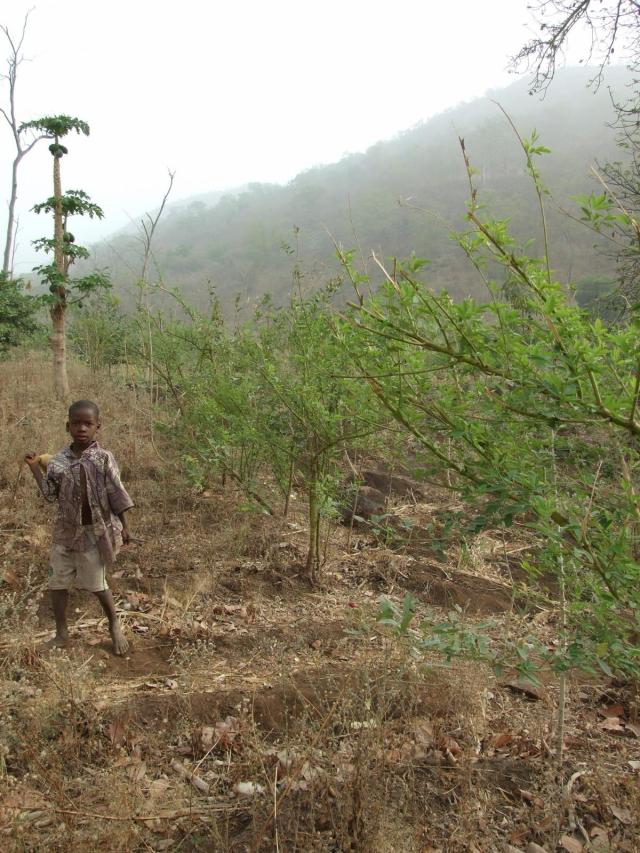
(240,675)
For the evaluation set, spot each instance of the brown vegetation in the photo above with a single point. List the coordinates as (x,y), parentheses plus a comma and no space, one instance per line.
(254,713)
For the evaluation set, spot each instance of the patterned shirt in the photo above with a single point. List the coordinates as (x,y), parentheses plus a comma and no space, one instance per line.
(106,497)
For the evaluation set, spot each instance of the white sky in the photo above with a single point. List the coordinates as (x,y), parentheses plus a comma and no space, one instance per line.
(230,92)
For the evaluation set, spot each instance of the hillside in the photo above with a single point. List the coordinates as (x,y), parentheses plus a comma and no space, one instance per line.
(253,712)
(401,195)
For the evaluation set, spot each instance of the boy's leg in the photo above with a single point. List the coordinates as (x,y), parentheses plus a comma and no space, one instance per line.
(61,574)
(120,645)
(59,599)
(91,575)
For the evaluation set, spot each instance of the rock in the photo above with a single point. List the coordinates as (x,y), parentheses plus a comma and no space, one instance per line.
(367,503)
(526,687)
(398,485)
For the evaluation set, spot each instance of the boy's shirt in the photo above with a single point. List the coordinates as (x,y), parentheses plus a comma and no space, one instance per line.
(106,496)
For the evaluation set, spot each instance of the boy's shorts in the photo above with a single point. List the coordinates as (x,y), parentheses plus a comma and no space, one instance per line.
(79,569)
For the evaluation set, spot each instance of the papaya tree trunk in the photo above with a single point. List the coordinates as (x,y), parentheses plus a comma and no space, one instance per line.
(59,348)
(58,310)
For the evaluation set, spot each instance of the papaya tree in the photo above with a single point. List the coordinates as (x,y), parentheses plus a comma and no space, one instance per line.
(63,290)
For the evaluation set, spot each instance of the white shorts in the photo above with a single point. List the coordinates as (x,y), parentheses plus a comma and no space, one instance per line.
(79,569)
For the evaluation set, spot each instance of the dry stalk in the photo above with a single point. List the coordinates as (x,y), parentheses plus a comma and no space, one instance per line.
(278,800)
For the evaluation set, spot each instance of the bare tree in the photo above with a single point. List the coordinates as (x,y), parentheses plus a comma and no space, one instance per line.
(14,60)
(613,27)
(611,24)
(148,225)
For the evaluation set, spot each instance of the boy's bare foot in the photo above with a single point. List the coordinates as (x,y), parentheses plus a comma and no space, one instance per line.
(60,640)
(120,644)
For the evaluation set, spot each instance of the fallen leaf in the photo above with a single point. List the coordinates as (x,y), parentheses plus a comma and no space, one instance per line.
(613,711)
(117,731)
(227,731)
(158,788)
(532,847)
(248,789)
(634,728)
(448,743)
(137,771)
(502,740)
(423,731)
(10,577)
(612,724)
(286,758)
(599,839)
(571,845)
(528,797)
(526,687)
(207,737)
(623,815)
(634,765)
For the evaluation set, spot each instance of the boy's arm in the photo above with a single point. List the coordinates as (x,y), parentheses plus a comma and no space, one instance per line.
(126,533)
(47,486)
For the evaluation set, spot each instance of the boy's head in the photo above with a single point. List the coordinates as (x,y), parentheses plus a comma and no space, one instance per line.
(83,423)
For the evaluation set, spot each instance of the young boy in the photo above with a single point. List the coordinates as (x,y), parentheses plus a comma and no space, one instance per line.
(91,524)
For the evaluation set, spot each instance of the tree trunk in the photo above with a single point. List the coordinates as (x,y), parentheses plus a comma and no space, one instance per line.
(58,338)
(58,230)
(6,262)
(312,564)
(59,348)
(287,500)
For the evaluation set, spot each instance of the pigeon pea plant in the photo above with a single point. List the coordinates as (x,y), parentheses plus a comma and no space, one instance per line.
(266,402)
(530,407)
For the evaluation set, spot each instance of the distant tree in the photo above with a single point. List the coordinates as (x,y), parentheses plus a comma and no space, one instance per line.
(22,147)
(62,245)
(17,310)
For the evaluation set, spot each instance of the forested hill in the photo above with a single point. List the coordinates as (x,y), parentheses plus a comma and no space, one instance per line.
(401,195)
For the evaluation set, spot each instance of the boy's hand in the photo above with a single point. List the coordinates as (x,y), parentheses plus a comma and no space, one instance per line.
(31,459)
(126,536)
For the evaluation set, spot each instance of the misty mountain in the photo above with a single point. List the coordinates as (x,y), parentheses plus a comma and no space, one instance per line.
(401,195)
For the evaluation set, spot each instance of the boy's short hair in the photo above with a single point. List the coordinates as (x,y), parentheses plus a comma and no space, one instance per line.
(84,404)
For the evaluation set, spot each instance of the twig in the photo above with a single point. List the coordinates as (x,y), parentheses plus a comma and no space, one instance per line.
(190,775)
(124,818)
(275,809)
(16,484)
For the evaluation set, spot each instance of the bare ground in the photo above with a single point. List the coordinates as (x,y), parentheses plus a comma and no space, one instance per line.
(256,713)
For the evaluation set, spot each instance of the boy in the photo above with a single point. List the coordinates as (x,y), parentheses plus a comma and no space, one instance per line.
(91,524)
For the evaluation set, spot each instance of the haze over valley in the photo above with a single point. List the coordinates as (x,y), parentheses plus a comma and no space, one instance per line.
(402,195)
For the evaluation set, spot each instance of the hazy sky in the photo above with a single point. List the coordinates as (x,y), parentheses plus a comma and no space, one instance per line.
(230,92)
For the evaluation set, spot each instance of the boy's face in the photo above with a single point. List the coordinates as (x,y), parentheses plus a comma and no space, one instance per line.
(83,426)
